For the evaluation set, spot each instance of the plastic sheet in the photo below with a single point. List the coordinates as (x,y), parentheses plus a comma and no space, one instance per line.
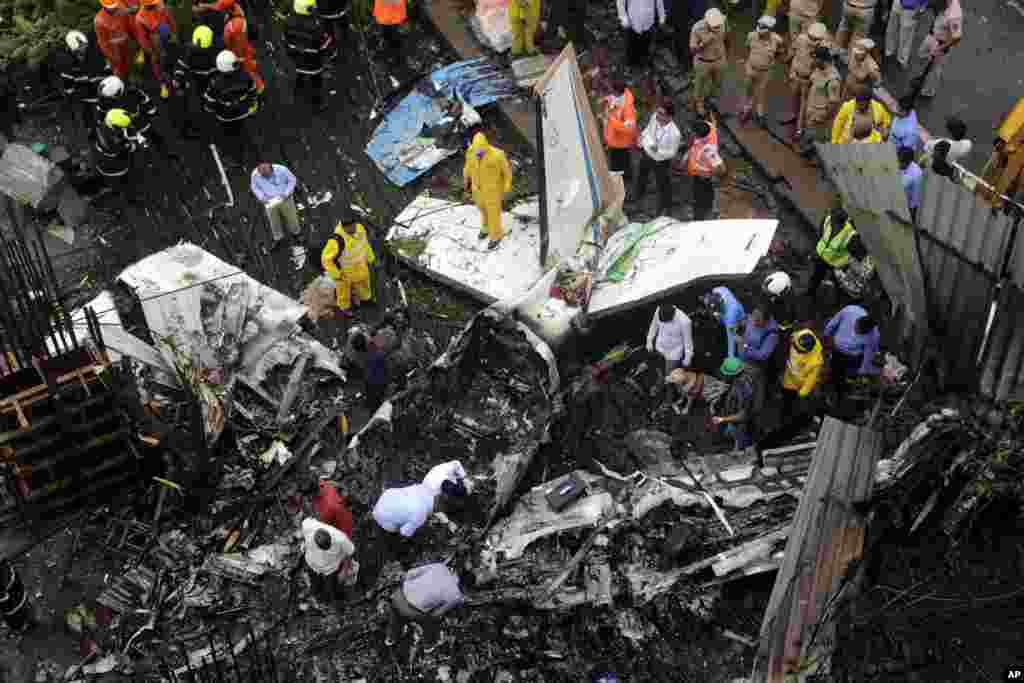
(476,83)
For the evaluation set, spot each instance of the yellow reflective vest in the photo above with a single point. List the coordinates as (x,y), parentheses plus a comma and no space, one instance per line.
(803,370)
(353,264)
(833,249)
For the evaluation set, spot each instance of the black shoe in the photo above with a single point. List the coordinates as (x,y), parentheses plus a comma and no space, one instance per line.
(493,245)
(482,236)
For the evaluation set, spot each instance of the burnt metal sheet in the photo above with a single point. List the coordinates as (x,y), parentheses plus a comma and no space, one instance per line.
(1002,370)
(826,536)
(960,294)
(867,177)
(959,219)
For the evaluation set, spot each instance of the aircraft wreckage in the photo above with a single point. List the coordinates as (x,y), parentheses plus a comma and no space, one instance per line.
(494,400)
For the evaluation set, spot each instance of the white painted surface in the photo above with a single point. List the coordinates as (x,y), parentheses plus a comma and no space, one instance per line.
(678,253)
(453,250)
(572,191)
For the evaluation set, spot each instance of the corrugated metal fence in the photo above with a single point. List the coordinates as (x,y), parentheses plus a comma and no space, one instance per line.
(963,257)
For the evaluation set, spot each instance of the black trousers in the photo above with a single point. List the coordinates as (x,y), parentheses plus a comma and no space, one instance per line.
(572,16)
(638,47)
(311,87)
(618,160)
(392,36)
(662,176)
(796,415)
(843,368)
(703,198)
(821,271)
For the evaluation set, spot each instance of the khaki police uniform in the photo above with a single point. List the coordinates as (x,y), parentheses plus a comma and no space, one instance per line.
(708,50)
(823,96)
(764,53)
(861,77)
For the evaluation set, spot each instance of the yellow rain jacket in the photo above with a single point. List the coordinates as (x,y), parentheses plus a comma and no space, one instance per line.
(351,268)
(803,370)
(490,178)
(842,126)
(524,17)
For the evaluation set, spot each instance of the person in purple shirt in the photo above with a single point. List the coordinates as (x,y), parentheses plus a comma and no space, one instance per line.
(911,176)
(760,338)
(855,341)
(905,130)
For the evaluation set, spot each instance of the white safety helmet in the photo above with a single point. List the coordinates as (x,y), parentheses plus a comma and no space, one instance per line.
(227,61)
(111,86)
(777,284)
(76,40)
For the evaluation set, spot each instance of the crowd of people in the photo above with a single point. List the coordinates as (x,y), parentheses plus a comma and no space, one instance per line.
(826,106)
(210,80)
(770,354)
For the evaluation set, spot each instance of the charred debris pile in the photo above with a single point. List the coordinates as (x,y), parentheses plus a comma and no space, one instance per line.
(942,598)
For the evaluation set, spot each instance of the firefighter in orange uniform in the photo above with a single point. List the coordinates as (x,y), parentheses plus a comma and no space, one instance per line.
(236,39)
(154,26)
(115,35)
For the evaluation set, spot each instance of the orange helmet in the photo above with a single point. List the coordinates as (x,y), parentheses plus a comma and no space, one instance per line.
(151,3)
(110,4)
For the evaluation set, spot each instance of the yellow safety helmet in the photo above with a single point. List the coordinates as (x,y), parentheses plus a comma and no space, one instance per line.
(118,118)
(202,37)
(304,7)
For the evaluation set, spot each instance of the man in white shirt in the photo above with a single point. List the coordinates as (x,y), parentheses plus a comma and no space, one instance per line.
(671,335)
(959,145)
(637,18)
(659,143)
(404,509)
(328,553)
(452,472)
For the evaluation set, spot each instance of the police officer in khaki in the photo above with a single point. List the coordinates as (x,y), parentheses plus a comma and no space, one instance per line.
(863,74)
(802,13)
(823,97)
(857,18)
(707,45)
(800,68)
(765,51)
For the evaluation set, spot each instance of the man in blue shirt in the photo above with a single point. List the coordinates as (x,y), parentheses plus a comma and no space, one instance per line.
(911,176)
(906,131)
(856,339)
(760,338)
(273,185)
(726,308)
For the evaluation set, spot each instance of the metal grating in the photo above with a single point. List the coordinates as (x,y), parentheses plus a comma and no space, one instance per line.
(1002,370)
(827,535)
(959,219)
(960,295)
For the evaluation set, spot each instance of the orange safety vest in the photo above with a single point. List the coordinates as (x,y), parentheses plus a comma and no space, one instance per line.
(620,131)
(696,164)
(389,12)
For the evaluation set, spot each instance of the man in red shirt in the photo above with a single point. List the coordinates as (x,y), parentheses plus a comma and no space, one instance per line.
(333,509)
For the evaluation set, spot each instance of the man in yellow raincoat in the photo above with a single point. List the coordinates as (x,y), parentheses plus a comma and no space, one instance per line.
(524,16)
(488,175)
(804,369)
(347,258)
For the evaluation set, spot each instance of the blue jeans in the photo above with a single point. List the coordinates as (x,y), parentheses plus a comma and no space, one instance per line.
(740,433)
